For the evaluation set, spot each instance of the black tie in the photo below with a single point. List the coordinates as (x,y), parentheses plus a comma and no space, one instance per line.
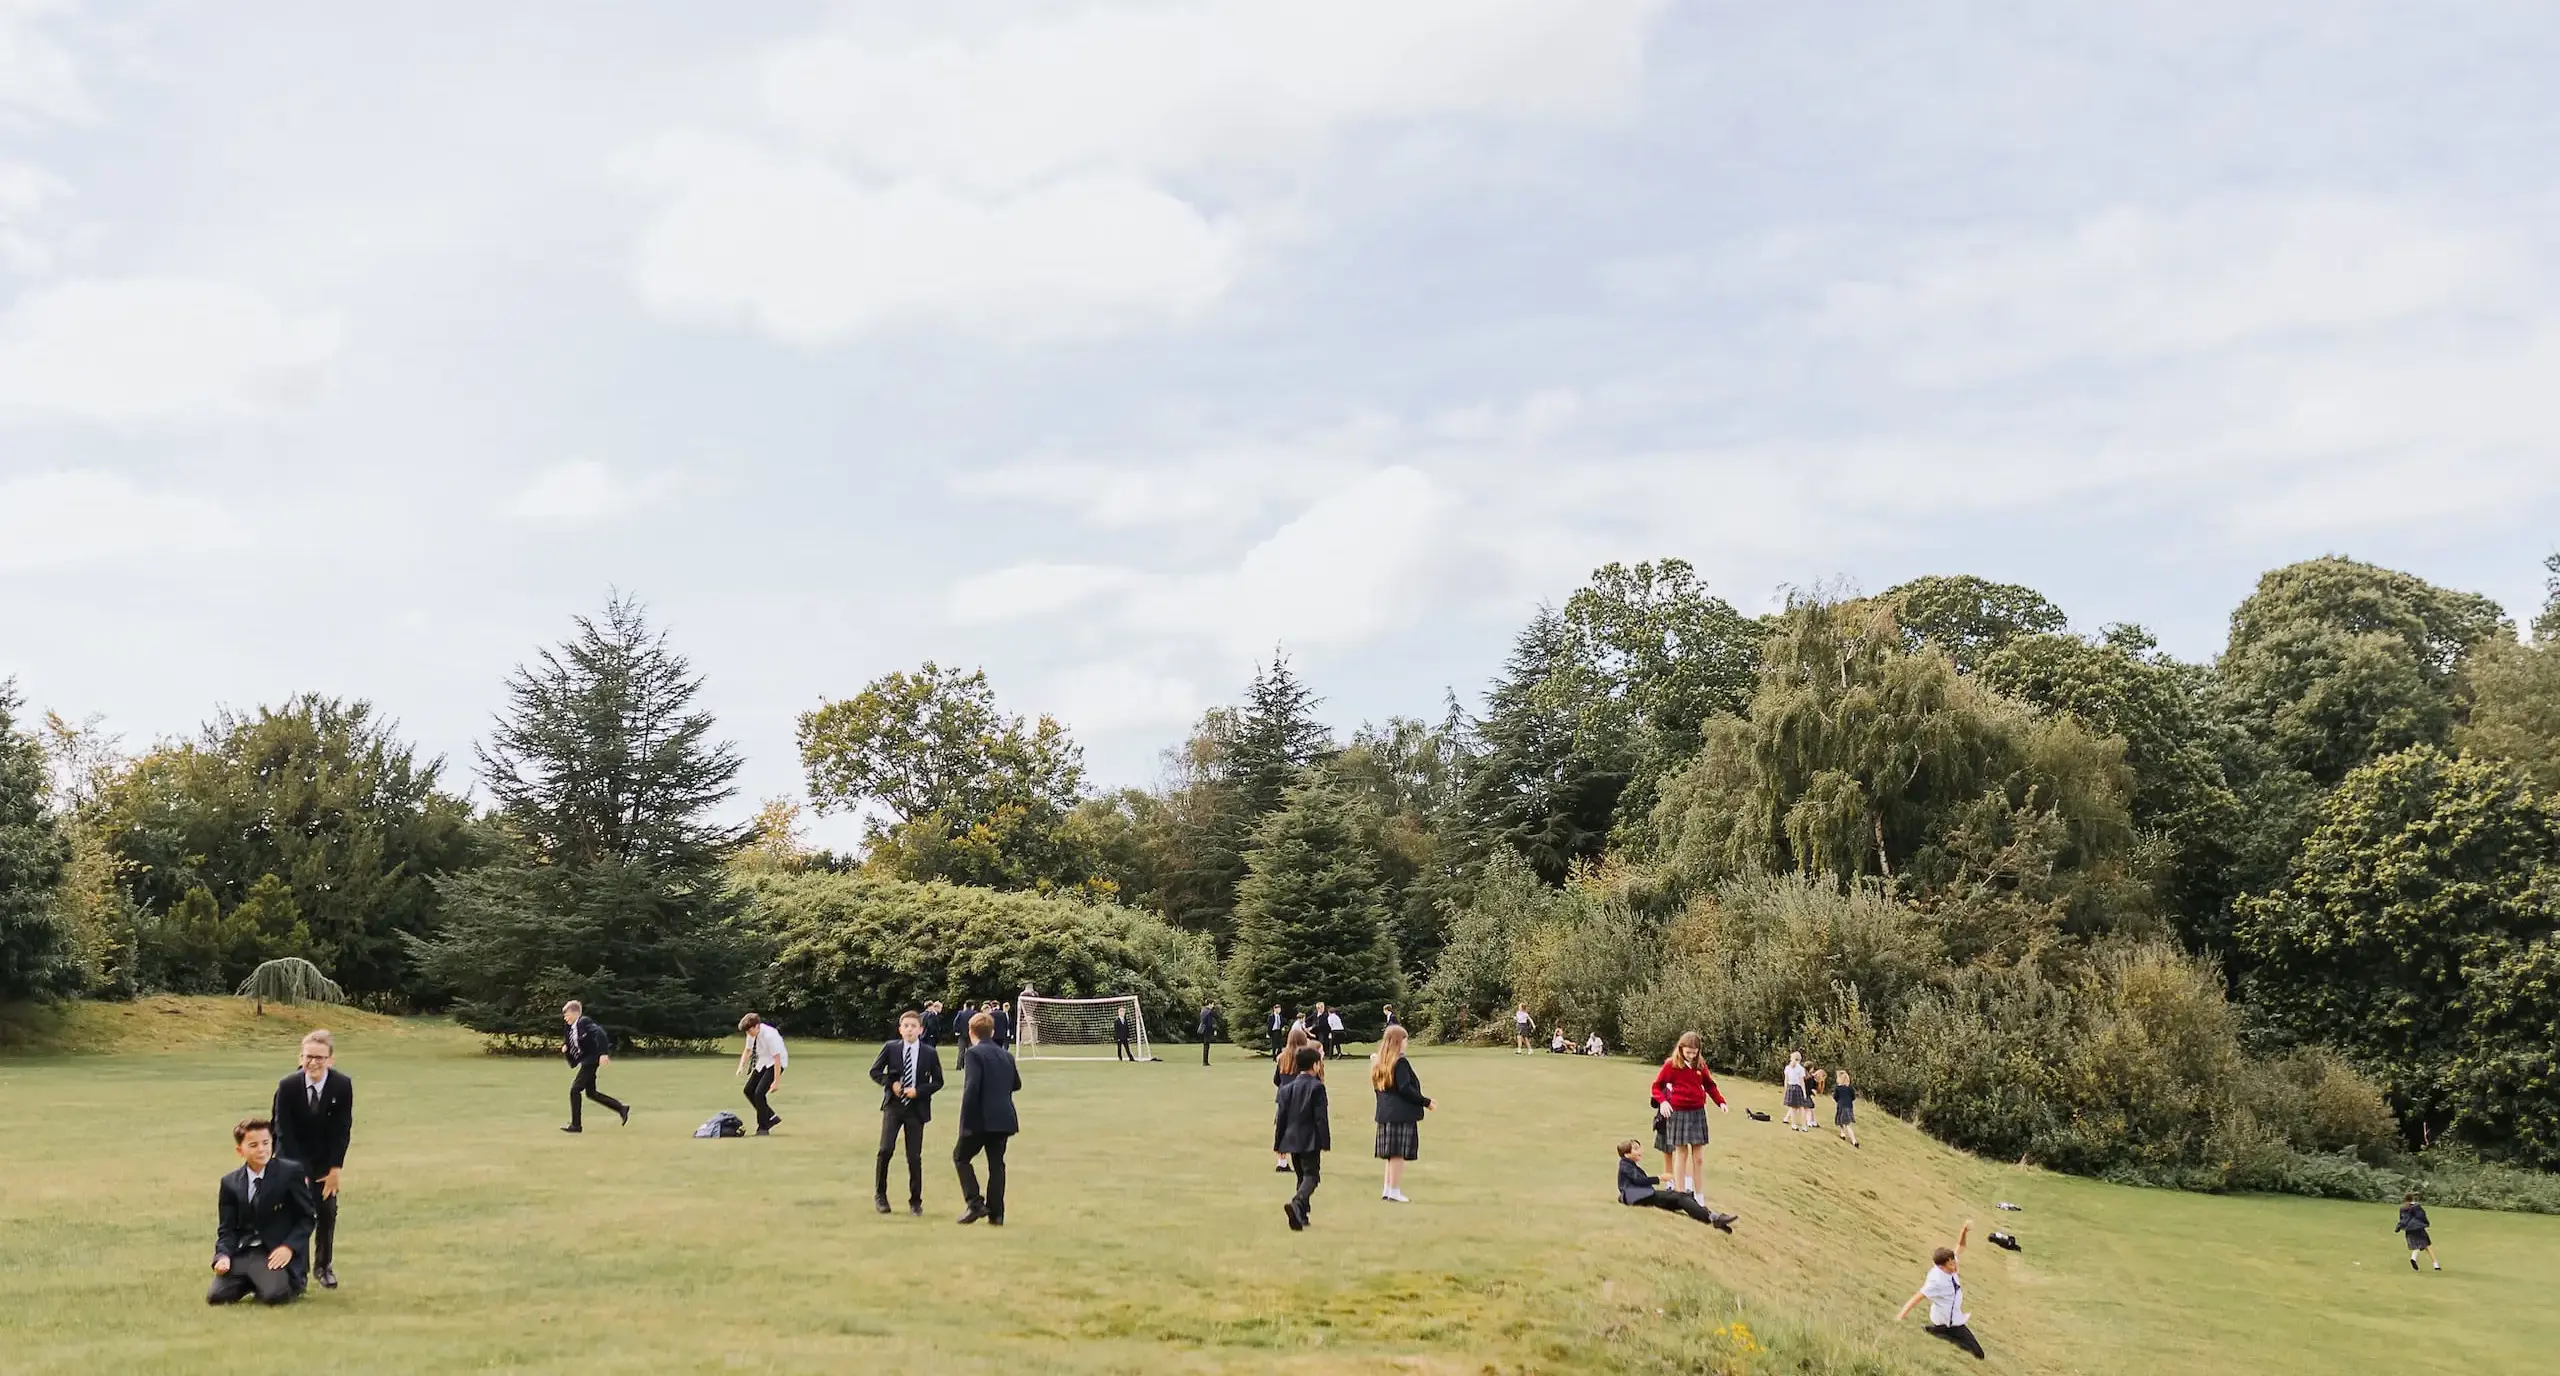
(315,1096)
(253,1191)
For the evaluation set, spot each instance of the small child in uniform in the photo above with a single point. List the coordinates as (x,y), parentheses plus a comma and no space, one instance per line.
(2412,1227)
(1844,1107)
(1944,1290)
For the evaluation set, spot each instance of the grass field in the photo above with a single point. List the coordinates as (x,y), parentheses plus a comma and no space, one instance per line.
(1145,1233)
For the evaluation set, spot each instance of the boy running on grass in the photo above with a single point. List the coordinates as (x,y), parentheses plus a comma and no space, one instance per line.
(1944,1290)
(2413,1228)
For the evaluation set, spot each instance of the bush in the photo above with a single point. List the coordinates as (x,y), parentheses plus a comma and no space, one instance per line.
(852,950)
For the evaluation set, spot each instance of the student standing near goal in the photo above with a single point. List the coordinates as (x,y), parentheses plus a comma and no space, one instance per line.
(1121,1036)
(1400,1108)
(987,1120)
(762,1062)
(1684,1086)
(909,1073)
(315,1117)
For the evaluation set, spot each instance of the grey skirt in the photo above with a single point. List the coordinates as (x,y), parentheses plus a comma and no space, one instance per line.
(1399,1141)
(1842,1115)
(1687,1127)
(1797,1098)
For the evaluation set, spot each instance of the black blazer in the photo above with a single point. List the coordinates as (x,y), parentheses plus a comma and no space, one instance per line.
(1004,1027)
(1275,1024)
(317,1140)
(1121,1031)
(890,1066)
(1634,1186)
(593,1043)
(1302,1119)
(281,1216)
(1401,1101)
(990,1080)
(1208,1023)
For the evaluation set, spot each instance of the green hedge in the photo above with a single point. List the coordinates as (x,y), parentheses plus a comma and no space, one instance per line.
(851,950)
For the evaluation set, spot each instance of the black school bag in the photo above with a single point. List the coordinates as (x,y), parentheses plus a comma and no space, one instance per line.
(722,1124)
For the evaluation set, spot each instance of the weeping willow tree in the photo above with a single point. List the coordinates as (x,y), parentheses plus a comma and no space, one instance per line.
(290,980)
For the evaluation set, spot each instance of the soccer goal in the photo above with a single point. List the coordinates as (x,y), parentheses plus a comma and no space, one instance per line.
(1075,1029)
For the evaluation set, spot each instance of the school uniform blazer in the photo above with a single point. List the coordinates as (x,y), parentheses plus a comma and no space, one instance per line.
(317,1139)
(1004,1027)
(593,1043)
(1634,1186)
(1208,1023)
(1302,1119)
(281,1216)
(990,1080)
(1401,1101)
(1121,1031)
(890,1066)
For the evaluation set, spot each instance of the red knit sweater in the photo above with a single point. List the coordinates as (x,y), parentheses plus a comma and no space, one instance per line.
(1685,1089)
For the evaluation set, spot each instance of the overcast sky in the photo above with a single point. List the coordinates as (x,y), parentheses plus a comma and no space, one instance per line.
(356,347)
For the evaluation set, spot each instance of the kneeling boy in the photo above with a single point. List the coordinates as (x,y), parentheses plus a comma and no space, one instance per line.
(263,1223)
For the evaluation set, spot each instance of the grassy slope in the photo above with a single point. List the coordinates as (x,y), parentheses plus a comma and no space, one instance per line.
(1146,1235)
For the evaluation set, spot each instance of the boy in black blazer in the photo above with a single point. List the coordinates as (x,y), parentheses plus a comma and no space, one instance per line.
(1636,1187)
(588,1048)
(987,1120)
(315,1117)
(909,1073)
(1302,1128)
(264,1214)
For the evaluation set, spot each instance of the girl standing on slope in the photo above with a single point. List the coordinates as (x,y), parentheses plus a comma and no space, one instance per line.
(1400,1108)
(1796,1097)
(1682,1088)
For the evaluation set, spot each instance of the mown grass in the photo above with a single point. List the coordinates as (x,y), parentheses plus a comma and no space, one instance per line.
(1146,1236)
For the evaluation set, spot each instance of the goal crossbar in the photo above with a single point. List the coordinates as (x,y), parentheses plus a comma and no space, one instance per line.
(1047,1029)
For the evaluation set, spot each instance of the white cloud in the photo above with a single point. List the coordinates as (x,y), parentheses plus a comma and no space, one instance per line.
(1097,698)
(25,191)
(2136,283)
(158,348)
(1027,590)
(791,246)
(39,81)
(80,516)
(1079,175)
(585,493)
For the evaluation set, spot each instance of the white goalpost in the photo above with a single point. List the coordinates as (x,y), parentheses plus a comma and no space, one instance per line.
(1046,1029)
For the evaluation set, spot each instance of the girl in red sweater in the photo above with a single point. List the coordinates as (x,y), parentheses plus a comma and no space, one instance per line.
(1681,1090)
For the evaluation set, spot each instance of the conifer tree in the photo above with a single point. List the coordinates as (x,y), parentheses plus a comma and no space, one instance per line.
(34,960)
(609,883)
(1310,926)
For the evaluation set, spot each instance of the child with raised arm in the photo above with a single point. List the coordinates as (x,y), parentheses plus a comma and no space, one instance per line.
(1944,1290)
(2412,1228)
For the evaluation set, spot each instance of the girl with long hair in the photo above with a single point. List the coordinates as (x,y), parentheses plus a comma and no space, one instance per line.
(1681,1089)
(1284,1068)
(1400,1108)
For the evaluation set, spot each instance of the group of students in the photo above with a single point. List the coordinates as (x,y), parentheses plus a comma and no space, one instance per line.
(1559,1041)
(276,1217)
(1321,1024)
(1806,1088)
(1302,1115)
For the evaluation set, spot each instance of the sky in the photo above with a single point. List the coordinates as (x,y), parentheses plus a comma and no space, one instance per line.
(1114,346)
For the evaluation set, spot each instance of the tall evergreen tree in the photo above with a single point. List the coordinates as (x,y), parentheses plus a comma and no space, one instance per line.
(1276,735)
(34,959)
(1309,925)
(1235,770)
(609,884)
(1545,775)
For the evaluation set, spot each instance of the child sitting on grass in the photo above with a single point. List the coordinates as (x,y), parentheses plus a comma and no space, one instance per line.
(1636,1187)
(2412,1227)
(1944,1290)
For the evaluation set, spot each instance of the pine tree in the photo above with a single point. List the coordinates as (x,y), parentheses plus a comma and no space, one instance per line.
(1276,735)
(1546,773)
(1309,924)
(609,884)
(34,959)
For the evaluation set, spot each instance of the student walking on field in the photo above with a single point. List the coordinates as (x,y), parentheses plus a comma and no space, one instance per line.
(987,1119)
(1302,1128)
(1943,1288)
(1284,1068)
(762,1062)
(1844,1107)
(589,1049)
(909,1073)
(2412,1228)
(1683,1087)
(1400,1108)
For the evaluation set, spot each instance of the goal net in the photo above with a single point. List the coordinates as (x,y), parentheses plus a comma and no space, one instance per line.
(1076,1029)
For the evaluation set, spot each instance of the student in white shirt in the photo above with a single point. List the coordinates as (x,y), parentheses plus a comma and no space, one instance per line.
(1944,1290)
(1797,1099)
(1591,1045)
(1520,1025)
(762,1063)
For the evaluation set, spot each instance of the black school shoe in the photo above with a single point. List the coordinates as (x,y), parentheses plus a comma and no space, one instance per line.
(625,1111)
(914,1206)
(880,1202)
(571,1127)
(976,1212)
(327,1276)
(1298,1221)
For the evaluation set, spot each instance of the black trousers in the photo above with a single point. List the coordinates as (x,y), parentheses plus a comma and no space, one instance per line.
(250,1275)
(1675,1202)
(759,1084)
(1205,1039)
(966,1151)
(324,1234)
(1961,1334)
(893,1122)
(1309,1166)
(1120,1050)
(583,1088)
(1275,1036)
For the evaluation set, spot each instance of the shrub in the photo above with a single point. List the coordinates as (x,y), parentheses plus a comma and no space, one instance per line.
(851,950)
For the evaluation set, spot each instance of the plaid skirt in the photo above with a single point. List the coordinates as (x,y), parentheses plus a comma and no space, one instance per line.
(1687,1127)
(1399,1140)
(1797,1098)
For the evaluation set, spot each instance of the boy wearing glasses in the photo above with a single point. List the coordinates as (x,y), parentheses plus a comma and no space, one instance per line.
(315,1115)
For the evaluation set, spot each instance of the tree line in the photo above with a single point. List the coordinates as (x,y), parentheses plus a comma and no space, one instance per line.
(2055,894)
